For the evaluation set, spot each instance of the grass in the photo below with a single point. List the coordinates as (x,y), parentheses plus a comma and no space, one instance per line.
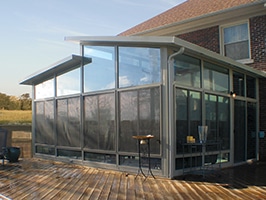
(15,116)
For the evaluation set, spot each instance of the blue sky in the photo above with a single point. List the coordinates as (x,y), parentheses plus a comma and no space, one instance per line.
(32,31)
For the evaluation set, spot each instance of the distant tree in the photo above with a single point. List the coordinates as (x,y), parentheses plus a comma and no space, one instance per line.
(25,102)
(4,101)
(14,103)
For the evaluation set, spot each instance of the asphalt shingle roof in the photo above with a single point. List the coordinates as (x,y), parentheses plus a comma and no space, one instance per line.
(188,10)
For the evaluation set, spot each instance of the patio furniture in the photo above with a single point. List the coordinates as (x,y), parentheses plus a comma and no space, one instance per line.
(3,141)
(199,160)
(12,154)
(144,139)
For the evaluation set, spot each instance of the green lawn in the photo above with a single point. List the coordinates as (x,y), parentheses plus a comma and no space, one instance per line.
(15,116)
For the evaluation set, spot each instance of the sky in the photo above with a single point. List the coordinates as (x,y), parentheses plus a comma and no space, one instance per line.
(32,32)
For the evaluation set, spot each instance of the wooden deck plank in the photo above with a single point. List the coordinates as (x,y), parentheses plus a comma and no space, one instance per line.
(41,179)
(156,191)
(79,188)
(115,187)
(131,191)
(139,191)
(91,185)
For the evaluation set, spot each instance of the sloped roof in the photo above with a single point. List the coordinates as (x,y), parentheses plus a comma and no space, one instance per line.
(59,67)
(188,10)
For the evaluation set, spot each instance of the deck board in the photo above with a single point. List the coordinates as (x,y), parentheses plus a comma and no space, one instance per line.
(42,179)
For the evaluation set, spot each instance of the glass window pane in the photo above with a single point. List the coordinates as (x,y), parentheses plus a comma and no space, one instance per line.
(138,66)
(139,115)
(100,122)
(44,119)
(149,116)
(239,84)
(91,122)
(236,42)
(251,87)
(211,116)
(188,116)
(99,157)
(44,89)
(237,51)
(187,71)
(239,131)
(236,33)
(100,74)
(216,78)
(194,113)
(128,121)
(224,122)
(68,122)
(217,119)
(181,114)
(68,83)
(251,130)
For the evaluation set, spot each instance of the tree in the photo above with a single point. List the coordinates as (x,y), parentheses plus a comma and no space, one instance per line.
(4,101)
(25,102)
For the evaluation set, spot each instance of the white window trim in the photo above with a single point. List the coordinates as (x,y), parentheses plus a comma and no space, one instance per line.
(243,61)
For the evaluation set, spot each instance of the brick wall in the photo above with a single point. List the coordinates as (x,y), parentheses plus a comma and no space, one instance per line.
(207,38)
(258,42)
(258,54)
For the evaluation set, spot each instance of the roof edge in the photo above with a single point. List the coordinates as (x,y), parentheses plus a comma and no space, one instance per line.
(200,17)
(65,64)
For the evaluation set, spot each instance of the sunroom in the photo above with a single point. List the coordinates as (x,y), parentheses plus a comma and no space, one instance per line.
(88,107)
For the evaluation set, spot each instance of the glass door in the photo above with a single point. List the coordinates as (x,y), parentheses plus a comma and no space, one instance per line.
(251,130)
(239,131)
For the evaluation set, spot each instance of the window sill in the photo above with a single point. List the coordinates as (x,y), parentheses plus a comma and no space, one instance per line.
(246,61)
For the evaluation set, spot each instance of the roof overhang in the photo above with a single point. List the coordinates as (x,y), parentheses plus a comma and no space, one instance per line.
(153,41)
(238,13)
(59,67)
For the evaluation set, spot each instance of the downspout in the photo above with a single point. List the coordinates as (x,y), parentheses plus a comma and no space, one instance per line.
(171,149)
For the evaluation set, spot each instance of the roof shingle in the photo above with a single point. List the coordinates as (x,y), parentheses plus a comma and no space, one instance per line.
(188,10)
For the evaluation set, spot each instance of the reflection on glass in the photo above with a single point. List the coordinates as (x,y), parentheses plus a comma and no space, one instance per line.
(251,132)
(236,41)
(239,131)
(99,121)
(139,115)
(44,89)
(216,78)
(138,66)
(224,122)
(68,83)
(100,157)
(187,71)
(217,119)
(239,84)
(100,74)
(44,122)
(68,122)
(251,87)
(188,116)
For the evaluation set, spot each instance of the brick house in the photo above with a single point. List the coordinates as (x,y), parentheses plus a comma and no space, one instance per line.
(233,28)
(90,108)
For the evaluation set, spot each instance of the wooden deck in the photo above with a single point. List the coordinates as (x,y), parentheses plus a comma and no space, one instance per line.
(41,179)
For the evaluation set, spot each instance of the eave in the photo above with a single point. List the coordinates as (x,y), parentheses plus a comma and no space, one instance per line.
(59,67)
(212,19)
